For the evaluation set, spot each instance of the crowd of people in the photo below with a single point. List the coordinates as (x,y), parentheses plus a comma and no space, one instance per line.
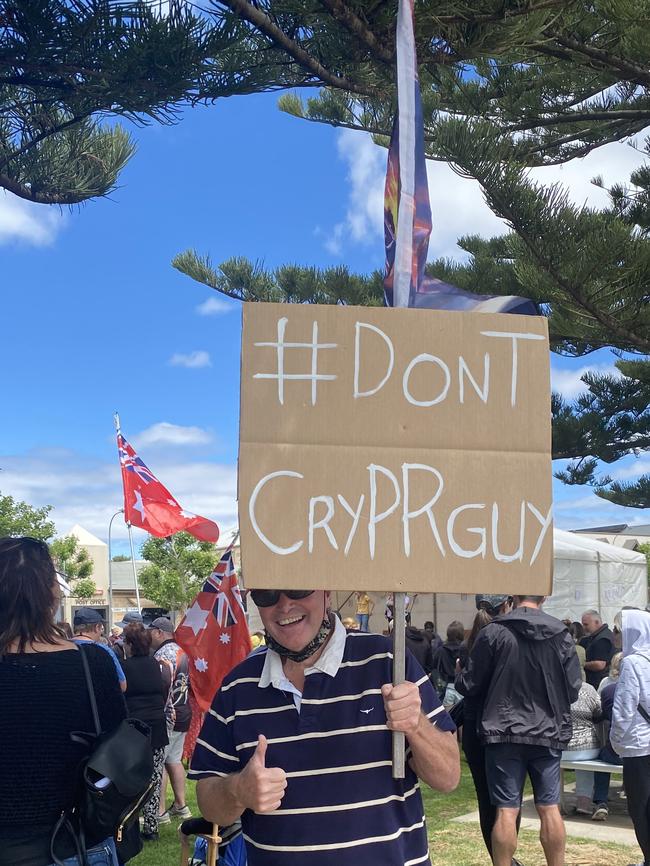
(293,761)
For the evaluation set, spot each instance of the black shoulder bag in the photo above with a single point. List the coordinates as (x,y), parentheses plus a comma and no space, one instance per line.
(114,781)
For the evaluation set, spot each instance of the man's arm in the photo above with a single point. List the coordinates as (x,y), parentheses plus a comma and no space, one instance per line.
(257,787)
(572,669)
(601,653)
(435,756)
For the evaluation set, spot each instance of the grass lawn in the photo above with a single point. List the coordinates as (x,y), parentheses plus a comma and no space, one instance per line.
(451,844)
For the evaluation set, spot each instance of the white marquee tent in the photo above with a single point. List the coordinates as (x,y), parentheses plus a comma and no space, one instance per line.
(593,574)
(587,574)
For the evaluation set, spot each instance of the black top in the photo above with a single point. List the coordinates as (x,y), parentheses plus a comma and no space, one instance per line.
(420,646)
(145,696)
(444,659)
(43,698)
(525,669)
(599,647)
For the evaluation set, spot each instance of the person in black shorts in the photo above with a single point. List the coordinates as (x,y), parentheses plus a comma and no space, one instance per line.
(524,668)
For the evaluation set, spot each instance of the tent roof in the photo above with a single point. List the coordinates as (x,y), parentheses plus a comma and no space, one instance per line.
(569,545)
(636,529)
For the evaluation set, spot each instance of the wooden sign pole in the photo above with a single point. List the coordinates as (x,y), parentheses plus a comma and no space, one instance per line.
(399,673)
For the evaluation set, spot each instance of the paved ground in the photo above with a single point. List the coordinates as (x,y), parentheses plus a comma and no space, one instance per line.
(618,827)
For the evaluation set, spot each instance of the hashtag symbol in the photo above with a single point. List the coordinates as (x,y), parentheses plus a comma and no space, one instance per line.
(313,376)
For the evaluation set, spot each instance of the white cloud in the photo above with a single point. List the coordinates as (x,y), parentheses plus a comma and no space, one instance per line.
(366,164)
(29,223)
(165,433)
(88,491)
(568,382)
(614,162)
(193,360)
(457,204)
(633,467)
(215,307)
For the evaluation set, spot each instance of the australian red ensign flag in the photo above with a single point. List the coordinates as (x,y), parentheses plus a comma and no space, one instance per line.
(214,632)
(149,505)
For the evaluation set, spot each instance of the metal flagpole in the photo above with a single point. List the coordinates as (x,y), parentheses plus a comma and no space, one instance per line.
(110,570)
(116,421)
(406,84)
(135,572)
(399,675)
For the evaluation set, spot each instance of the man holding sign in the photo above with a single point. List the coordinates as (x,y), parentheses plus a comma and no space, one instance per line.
(298,743)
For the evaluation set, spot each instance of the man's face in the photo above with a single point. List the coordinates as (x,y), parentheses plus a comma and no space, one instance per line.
(96,632)
(157,637)
(295,622)
(590,623)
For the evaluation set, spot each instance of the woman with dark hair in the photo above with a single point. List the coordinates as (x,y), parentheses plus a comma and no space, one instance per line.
(44,700)
(145,698)
(488,606)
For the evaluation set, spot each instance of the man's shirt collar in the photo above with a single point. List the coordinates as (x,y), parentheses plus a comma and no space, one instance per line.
(328,662)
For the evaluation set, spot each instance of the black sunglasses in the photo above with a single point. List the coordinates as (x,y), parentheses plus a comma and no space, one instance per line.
(269,597)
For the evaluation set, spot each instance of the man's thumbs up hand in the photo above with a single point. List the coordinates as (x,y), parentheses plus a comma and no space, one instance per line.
(261,788)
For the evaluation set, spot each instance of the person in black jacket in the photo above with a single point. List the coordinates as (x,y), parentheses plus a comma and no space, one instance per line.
(453,650)
(145,699)
(524,668)
(487,606)
(420,646)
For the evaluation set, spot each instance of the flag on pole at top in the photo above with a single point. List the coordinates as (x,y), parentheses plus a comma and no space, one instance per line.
(407,209)
(150,506)
(214,632)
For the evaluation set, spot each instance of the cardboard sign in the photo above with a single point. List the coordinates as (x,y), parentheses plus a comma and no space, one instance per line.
(389,449)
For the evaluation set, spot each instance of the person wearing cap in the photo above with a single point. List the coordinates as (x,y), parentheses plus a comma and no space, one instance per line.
(178,713)
(524,670)
(131,617)
(88,626)
(487,606)
(298,743)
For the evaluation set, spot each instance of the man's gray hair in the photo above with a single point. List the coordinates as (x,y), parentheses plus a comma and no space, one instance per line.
(593,613)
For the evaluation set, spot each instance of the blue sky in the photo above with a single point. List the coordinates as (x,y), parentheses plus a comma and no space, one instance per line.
(96,320)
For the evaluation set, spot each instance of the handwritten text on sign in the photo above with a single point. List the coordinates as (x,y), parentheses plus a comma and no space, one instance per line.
(382,448)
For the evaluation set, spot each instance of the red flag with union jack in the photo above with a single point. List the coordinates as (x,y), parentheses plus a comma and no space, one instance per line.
(214,632)
(149,505)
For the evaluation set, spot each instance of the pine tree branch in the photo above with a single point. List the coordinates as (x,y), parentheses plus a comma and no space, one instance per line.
(609,322)
(580,117)
(264,24)
(631,71)
(359,29)
(26,193)
(51,130)
(492,18)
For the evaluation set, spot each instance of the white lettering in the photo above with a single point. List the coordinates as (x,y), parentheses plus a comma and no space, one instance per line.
(323,523)
(429,359)
(274,548)
(545,522)
(408,515)
(375,518)
(463,370)
(519,553)
(514,337)
(477,530)
(355,515)
(357,363)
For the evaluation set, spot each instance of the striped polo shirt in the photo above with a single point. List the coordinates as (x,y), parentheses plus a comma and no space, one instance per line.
(341,803)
